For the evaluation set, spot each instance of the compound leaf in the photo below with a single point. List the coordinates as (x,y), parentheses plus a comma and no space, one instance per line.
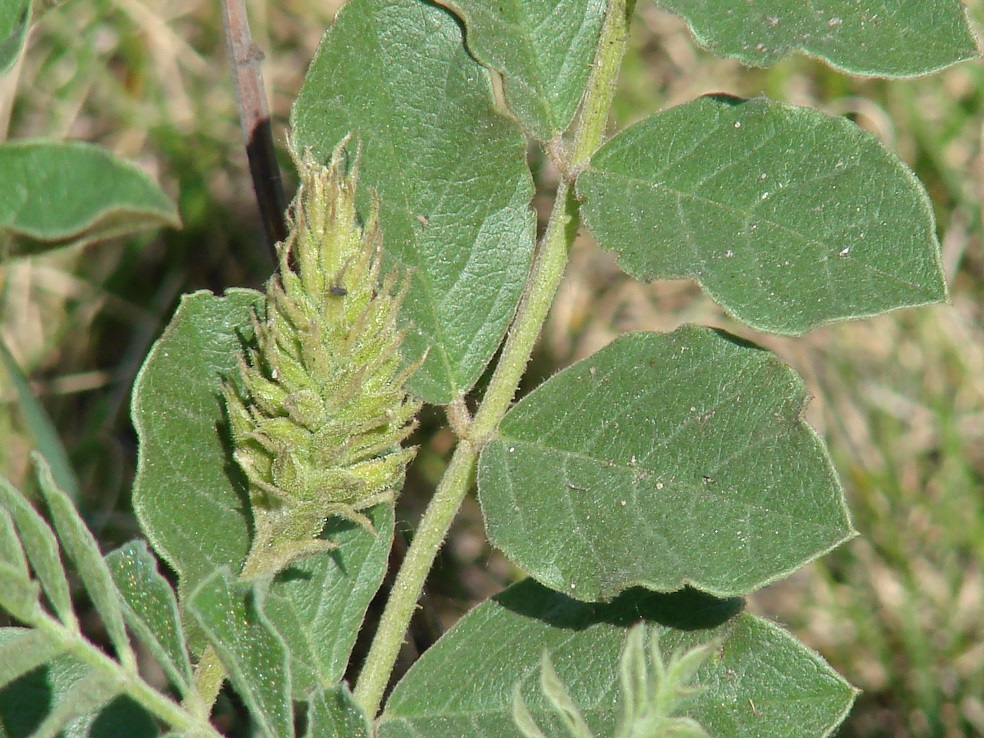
(62,696)
(19,594)
(82,549)
(79,701)
(663,460)
(22,650)
(450,174)
(11,551)
(787,217)
(901,39)
(41,547)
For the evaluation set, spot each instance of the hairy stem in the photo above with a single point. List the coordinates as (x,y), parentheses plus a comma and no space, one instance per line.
(209,676)
(546,272)
(545,275)
(410,580)
(602,82)
(187,721)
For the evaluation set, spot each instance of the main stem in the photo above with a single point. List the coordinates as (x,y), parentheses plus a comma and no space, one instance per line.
(547,270)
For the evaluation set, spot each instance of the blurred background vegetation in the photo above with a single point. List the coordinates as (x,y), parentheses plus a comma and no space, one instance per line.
(899,399)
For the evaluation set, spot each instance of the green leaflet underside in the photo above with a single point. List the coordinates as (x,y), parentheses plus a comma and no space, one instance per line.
(55,193)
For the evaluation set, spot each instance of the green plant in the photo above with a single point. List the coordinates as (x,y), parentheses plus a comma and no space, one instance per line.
(660,479)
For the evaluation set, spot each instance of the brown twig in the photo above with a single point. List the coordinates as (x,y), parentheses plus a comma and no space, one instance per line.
(254,115)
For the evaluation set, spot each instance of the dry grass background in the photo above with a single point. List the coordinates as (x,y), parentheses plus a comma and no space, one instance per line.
(899,399)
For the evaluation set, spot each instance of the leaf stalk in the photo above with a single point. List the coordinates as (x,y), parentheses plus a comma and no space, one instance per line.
(184,719)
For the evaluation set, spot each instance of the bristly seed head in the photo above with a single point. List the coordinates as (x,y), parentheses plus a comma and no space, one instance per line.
(320,413)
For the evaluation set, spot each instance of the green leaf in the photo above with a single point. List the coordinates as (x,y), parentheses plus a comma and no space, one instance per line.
(62,696)
(899,39)
(22,650)
(121,717)
(41,547)
(652,694)
(760,683)
(249,647)
(187,493)
(318,604)
(42,429)
(83,550)
(663,460)
(543,49)
(26,701)
(450,174)
(19,596)
(80,699)
(58,193)
(151,610)
(787,217)
(333,712)
(19,593)
(11,551)
(15,18)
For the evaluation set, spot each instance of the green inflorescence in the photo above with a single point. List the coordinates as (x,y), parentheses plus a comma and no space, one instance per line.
(320,414)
